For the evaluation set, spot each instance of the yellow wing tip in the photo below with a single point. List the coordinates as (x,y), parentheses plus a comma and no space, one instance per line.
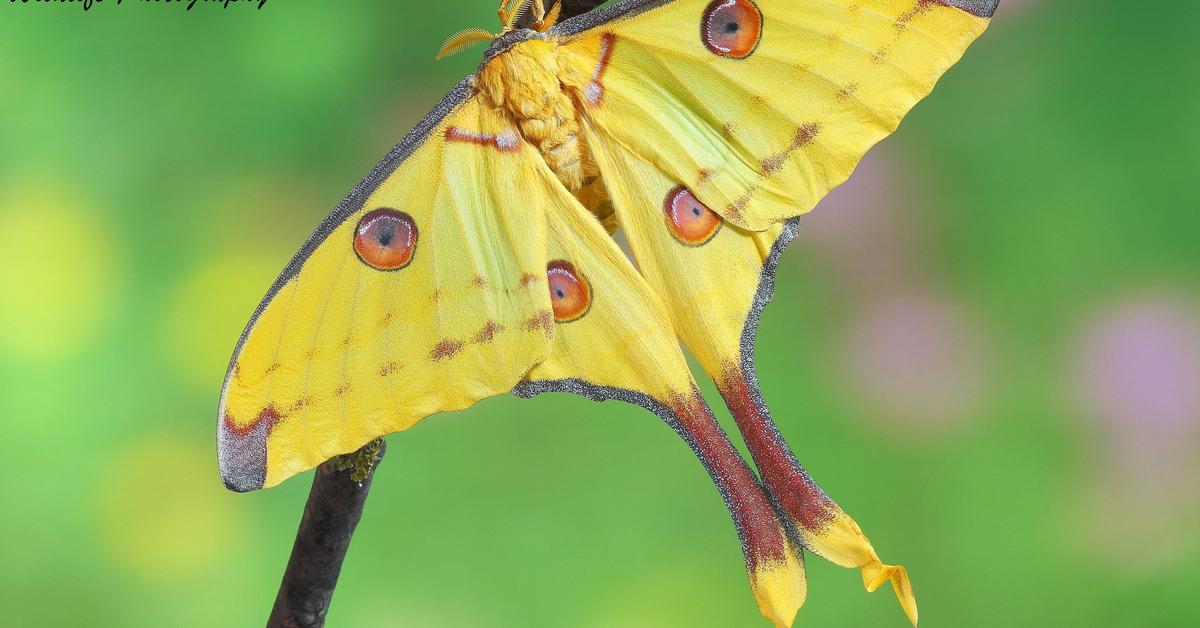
(876,573)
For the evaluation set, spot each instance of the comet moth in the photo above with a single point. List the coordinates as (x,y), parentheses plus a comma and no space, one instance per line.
(477,258)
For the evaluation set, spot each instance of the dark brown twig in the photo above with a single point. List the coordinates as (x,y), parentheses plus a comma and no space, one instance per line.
(335,504)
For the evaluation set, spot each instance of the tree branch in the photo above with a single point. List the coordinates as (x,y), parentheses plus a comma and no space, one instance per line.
(335,504)
(571,8)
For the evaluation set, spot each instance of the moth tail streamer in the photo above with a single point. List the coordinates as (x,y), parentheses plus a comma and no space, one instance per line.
(780,587)
(774,561)
(876,573)
(823,527)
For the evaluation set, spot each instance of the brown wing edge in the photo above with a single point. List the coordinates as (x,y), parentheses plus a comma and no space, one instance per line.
(763,296)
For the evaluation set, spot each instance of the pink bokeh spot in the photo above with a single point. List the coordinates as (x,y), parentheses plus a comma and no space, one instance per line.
(862,230)
(1136,374)
(1138,366)
(917,360)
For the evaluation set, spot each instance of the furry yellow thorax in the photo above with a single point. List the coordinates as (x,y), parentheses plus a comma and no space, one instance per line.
(539,84)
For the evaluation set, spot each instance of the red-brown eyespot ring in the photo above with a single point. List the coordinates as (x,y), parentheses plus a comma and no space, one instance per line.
(731,28)
(570,292)
(690,221)
(385,239)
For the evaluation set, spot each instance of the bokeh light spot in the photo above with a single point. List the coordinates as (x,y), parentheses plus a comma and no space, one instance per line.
(1138,366)
(866,232)
(640,604)
(918,361)
(1136,383)
(162,511)
(208,310)
(58,278)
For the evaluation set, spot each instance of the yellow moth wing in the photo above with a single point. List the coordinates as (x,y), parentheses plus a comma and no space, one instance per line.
(708,287)
(763,137)
(625,338)
(619,344)
(751,111)
(342,352)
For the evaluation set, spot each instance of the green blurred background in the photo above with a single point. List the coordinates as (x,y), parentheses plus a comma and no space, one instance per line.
(986,346)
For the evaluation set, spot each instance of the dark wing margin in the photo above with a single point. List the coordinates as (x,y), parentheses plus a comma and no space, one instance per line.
(605,14)
(631,8)
(978,8)
(248,446)
(762,296)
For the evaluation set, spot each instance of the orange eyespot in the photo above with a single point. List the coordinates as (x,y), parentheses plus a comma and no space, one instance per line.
(690,221)
(731,28)
(385,239)
(570,293)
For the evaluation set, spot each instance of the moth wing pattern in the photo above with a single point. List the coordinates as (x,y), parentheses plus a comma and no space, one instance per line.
(762,124)
(340,352)
(714,125)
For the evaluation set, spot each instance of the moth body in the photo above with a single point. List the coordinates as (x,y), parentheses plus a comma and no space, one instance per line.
(470,261)
(540,85)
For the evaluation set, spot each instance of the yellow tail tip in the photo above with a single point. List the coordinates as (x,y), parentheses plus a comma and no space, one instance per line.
(876,573)
(842,542)
(780,588)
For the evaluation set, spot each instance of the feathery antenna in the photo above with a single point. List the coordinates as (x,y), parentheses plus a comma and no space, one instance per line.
(509,12)
(462,40)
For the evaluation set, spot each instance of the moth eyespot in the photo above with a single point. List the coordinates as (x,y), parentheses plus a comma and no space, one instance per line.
(385,239)
(570,292)
(731,28)
(690,221)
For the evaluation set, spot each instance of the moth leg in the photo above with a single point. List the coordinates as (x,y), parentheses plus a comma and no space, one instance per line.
(549,19)
(510,13)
